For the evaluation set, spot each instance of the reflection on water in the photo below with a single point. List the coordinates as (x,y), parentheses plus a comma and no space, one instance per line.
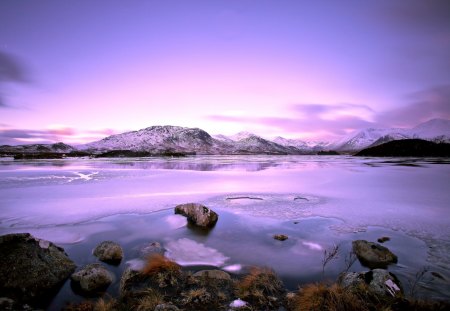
(316,200)
(215,163)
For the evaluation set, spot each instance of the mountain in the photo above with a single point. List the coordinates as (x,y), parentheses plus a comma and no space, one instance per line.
(158,139)
(37,148)
(437,130)
(408,148)
(176,140)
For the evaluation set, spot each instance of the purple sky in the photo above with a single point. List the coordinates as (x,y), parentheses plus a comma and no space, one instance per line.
(76,71)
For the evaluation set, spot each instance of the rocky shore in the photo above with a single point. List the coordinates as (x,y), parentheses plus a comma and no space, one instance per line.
(33,270)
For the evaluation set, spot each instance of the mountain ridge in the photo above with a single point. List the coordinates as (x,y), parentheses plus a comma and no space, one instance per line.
(170,139)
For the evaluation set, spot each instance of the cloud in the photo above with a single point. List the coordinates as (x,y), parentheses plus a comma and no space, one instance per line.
(12,136)
(12,70)
(329,120)
(420,106)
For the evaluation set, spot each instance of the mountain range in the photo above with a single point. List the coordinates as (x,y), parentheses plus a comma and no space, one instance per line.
(175,139)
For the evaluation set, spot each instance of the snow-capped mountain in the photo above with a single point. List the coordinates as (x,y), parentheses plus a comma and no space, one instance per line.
(176,139)
(433,130)
(163,139)
(157,139)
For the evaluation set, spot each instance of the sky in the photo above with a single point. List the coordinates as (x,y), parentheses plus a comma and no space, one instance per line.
(77,71)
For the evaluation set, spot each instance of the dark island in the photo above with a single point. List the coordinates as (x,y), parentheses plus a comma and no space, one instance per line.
(407,148)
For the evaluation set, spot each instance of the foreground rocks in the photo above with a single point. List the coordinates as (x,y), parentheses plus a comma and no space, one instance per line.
(31,269)
(92,279)
(379,281)
(373,255)
(109,252)
(197,214)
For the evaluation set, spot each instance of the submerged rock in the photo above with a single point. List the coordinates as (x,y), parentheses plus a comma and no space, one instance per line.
(378,281)
(373,255)
(280,237)
(197,214)
(31,269)
(151,248)
(109,252)
(384,239)
(92,278)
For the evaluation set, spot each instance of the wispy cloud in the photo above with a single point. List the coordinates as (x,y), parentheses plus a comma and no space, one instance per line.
(311,119)
(335,120)
(12,70)
(419,107)
(13,136)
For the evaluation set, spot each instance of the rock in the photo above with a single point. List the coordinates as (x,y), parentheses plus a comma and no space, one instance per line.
(280,237)
(373,255)
(31,270)
(383,239)
(92,278)
(213,274)
(152,248)
(109,252)
(197,214)
(379,281)
(166,307)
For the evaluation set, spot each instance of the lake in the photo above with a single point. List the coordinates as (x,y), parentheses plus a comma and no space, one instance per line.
(318,201)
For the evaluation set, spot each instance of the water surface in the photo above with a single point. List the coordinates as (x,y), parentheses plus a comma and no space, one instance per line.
(318,201)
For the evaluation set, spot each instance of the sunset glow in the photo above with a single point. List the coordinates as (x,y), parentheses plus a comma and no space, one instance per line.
(296,69)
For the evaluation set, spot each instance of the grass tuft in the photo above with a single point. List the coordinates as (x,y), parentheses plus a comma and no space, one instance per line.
(163,270)
(261,287)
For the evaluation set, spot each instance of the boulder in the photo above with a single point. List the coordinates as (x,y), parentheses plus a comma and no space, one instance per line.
(379,281)
(373,255)
(31,269)
(92,278)
(197,214)
(109,252)
(213,274)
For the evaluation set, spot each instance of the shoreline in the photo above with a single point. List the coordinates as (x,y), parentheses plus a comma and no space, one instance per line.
(80,252)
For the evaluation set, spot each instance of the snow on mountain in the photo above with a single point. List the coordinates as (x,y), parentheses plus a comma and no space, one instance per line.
(435,130)
(163,139)
(241,135)
(156,139)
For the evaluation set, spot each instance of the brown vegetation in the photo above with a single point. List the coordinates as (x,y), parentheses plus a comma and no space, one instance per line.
(163,270)
(261,288)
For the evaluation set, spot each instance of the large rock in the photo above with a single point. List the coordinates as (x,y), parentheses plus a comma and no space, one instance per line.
(378,281)
(213,274)
(197,214)
(373,255)
(92,278)
(109,252)
(31,269)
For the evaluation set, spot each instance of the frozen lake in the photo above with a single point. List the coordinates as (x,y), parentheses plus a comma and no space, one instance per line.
(317,201)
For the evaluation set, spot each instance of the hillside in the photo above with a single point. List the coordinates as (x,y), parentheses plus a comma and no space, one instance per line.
(408,148)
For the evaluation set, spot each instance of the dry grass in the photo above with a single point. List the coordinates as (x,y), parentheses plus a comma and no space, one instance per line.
(105,304)
(163,270)
(319,296)
(261,287)
(149,300)
(157,263)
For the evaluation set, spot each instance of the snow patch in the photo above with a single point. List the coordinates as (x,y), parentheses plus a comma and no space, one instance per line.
(187,252)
